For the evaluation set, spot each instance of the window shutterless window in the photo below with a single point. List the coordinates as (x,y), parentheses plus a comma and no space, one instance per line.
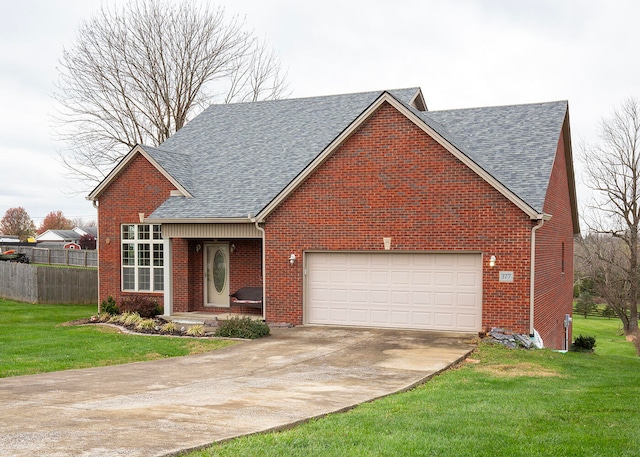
(142,258)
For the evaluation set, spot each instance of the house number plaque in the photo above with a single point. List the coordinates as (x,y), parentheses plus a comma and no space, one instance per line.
(506,276)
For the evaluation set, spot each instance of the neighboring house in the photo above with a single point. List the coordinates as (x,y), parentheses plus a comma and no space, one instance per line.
(66,239)
(58,236)
(360,210)
(91,231)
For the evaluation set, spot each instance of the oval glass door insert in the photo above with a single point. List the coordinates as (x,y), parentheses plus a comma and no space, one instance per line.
(219,271)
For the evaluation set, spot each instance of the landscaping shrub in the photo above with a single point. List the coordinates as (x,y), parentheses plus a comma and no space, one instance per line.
(109,306)
(242,328)
(196,330)
(144,306)
(583,344)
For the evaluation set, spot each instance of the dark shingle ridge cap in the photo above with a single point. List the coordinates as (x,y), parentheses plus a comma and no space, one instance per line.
(398,91)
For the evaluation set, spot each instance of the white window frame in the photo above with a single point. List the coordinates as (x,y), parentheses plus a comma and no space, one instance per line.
(142,258)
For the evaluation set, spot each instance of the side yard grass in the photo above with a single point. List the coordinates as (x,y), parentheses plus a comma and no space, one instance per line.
(33,341)
(500,402)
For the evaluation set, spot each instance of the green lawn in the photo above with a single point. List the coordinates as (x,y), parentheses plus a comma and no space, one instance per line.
(32,341)
(502,403)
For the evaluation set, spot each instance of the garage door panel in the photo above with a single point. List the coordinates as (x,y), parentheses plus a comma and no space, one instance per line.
(422,278)
(379,297)
(467,300)
(379,277)
(421,319)
(339,315)
(380,317)
(468,279)
(339,295)
(421,298)
(400,318)
(359,276)
(359,316)
(444,278)
(359,296)
(444,320)
(399,290)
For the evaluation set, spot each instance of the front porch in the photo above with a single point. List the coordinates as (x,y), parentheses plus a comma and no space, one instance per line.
(207,264)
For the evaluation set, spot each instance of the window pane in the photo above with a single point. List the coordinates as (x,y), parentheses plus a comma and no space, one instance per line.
(158,279)
(157,232)
(158,255)
(128,278)
(144,232)
(128,232)
(128,254)
(144,254)
(144,279)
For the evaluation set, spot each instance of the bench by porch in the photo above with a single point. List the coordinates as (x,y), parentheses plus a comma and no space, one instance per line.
(250,297)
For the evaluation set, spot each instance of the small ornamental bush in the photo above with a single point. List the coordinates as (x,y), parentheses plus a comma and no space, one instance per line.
(132,319)
(583,344)
(196,330)
(145,306)
(146,324)
(169,327)
(242,328)
(109,306)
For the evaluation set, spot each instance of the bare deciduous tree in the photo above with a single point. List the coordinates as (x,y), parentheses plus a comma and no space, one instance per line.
(613,172)
(137,75)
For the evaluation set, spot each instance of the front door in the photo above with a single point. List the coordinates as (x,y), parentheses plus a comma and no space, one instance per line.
(216,271)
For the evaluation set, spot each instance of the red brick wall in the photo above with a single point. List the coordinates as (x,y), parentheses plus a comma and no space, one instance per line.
(554,289)
(390,179)
(140,188)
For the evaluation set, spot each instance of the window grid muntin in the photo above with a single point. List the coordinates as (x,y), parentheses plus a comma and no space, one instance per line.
(142,258)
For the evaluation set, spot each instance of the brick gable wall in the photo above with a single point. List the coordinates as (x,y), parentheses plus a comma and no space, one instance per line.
(554,288)
(390,179)
(140,188)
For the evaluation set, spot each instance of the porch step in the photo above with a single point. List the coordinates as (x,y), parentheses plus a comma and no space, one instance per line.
(205,319)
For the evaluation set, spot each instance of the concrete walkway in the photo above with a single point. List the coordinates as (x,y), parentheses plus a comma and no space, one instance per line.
(162,407)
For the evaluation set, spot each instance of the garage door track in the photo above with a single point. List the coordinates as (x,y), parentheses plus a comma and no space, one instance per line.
(165,406)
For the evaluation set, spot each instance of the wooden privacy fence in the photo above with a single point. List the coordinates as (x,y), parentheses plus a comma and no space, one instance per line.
(41,284)
(72,257)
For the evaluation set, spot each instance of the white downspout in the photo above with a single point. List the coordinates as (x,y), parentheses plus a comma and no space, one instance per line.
(264,271)
(533,275)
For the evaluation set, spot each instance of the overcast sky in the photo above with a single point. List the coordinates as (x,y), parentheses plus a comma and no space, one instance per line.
(462,53)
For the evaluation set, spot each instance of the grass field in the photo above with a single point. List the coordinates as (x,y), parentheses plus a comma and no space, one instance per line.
(500,403)
(33,341)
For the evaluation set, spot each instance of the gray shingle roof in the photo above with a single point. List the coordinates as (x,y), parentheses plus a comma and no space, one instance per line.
(235,158)
(515,144)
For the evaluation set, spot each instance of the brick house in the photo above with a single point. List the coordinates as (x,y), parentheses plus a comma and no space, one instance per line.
(360,210)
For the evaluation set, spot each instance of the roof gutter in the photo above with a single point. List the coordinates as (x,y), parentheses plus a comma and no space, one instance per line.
(541,219)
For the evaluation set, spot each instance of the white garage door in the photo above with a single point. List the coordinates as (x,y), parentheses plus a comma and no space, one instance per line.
(399,290)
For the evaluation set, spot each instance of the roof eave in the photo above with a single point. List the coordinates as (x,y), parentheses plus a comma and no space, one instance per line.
(122,165)
(198,220)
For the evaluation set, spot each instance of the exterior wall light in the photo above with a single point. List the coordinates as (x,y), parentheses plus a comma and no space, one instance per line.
(292,259)
(492,261)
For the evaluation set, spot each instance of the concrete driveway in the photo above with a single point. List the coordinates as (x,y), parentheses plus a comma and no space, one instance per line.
(165,406)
